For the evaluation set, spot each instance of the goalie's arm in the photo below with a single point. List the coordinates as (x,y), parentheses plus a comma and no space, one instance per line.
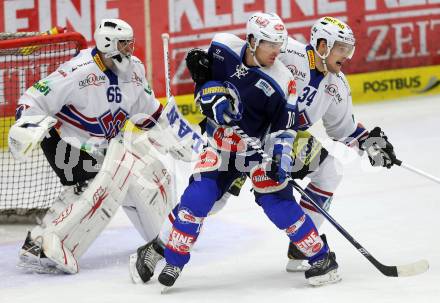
(35,111)
(27,133)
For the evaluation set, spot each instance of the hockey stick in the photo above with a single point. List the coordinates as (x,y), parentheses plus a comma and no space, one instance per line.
(417,171)
(166,60)
(411,269)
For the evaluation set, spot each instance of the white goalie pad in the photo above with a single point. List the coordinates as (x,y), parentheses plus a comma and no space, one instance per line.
(174,134)
(26,133)
(70,234)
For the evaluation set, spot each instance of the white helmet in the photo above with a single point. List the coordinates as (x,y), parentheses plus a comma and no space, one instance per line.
(267,27)
(107,36)
(332,30)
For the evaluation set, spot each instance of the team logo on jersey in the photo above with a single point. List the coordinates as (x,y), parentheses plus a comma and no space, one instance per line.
(136,79)
(217,55)
(265,87)
(291,87)
(42,87)
(240,71)
(299,75)
(62,73)
(92,79)
(226,139)
(332,90)
(209,160)
(262,183)
(292,51)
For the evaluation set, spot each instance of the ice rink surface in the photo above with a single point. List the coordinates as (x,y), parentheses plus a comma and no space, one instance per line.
(241,256)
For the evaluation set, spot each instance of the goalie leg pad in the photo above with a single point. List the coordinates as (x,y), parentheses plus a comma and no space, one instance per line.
(84,218)
(147,206)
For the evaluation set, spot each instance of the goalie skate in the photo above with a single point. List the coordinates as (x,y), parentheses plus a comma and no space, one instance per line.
(33,259)
(144,261)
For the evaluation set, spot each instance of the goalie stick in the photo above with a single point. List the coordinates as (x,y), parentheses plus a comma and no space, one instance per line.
(406,270)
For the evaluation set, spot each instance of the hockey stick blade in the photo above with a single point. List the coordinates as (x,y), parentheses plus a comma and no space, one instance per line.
(413,269)
(407,270)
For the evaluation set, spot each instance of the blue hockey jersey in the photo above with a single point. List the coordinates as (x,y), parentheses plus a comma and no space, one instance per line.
(268,94)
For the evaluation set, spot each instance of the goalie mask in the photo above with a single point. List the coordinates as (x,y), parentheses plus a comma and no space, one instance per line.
(114,38)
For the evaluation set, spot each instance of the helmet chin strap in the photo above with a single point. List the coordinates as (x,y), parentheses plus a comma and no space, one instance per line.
(253,51)
(323,59)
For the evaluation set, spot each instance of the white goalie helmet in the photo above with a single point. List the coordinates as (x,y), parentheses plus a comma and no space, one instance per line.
(109,33)
(268,27)
(332,31)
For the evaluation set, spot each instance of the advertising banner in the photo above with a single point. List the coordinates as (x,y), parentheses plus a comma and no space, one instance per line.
(391,34)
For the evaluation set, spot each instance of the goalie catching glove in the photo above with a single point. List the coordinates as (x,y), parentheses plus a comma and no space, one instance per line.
(27,133)
(218,102)
(380,151)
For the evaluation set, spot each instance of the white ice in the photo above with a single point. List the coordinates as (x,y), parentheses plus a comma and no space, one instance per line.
(241,256)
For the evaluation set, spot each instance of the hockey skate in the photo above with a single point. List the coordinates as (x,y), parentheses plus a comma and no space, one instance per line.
(323,271)
(144,261)
(168,276)
(297,260)
(33,259)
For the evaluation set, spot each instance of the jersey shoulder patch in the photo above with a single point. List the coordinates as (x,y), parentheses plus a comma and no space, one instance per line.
(228,41)
(82,61)
(281,76)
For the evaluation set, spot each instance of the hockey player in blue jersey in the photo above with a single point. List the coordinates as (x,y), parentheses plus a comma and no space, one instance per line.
(255,90)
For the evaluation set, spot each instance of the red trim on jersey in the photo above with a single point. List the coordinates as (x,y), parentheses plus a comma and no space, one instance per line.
(319,191)
(72,108)
(304,204)
(153,118)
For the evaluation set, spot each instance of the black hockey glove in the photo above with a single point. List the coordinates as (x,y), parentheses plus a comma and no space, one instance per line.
(199,65)
(380,151)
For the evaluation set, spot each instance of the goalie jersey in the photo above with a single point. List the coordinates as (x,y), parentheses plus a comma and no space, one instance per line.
(326,97)
(91,102)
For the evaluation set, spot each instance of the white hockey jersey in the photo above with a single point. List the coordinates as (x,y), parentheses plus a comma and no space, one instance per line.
(91,102)
(321,97)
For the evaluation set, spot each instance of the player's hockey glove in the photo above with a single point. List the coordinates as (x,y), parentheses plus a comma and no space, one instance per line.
(199,65)
(215,102)
(380,151)
(282,161)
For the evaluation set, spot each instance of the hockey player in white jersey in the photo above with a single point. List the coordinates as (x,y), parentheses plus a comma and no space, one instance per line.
(324,93)
(77,113)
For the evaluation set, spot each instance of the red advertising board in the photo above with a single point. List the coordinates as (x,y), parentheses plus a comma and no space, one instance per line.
(390,34)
